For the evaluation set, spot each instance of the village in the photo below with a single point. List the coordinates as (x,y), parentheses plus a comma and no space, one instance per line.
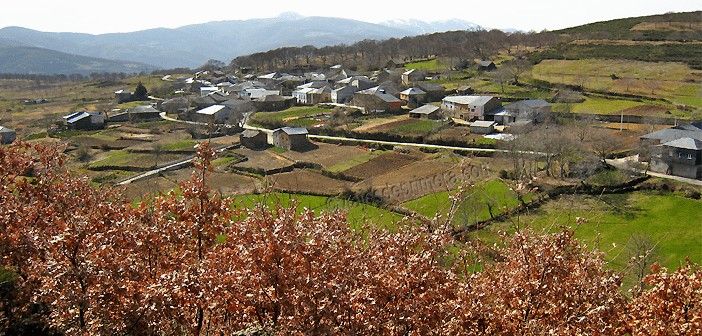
(499,136)
(336,131)
(324,175)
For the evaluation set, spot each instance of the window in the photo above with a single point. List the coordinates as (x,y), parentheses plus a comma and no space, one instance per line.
(679,155)
(689,156)
(670,153)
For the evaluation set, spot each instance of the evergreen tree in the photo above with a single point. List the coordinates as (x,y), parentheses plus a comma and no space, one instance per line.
(140,93)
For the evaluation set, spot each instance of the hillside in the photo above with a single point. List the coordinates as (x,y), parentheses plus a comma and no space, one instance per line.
(663,27)
(32,60)
(193,45)
(672,37)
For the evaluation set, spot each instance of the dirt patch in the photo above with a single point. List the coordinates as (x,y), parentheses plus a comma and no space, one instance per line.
(381,165)
(388,126)
(306,181)
(413,171)
(226,183)
(456,134)
(265,160)
(326,155)
(423,177)
(645,110)
(97,142)
(371,124)
(668,26)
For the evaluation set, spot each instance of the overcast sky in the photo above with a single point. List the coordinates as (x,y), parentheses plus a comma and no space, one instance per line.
(94,16)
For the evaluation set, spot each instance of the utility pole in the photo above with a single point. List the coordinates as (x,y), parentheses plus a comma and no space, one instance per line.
(621,121)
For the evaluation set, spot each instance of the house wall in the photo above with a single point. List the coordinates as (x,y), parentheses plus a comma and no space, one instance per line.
(433,115)
(123,97)
(257,142)
(280,139)
(369,102)
(90,123)
(298,142)
(220,117)
(678,163)
(343,96)
(7,137)
(693,172)
(682,156)
(317,98)
(413,100)
(267,106)
(301,97)
(481,130)
(435,96)
(470,112)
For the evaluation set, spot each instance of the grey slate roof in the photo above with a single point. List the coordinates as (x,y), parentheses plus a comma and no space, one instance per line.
(413,91)
(534,102)
(426,86)
(693,131)
(469,100)
(482,123)
(426,109)
(293,130)
(485,63)
(685,143)
(144,109)
(74,117)
(387,98)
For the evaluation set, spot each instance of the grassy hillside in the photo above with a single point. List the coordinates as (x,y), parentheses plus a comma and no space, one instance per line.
(670,26)
(674,81)
(358,213)
(476,205)
(672,223)
(689,53)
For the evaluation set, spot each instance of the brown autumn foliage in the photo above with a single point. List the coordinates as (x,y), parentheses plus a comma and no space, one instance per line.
(87,262)
(671,306)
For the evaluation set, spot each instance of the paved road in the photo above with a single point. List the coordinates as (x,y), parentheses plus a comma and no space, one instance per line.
(175,165)
(167,118)
(623,164)
(379,142)
(392,143)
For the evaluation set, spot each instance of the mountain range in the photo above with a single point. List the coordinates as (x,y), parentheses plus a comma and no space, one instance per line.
(191,45)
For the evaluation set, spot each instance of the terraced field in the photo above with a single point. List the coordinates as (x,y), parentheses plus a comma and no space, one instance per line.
(358,214)
(380,165)
(306,181)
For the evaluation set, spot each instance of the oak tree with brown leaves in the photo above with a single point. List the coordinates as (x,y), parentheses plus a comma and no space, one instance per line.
(84,261)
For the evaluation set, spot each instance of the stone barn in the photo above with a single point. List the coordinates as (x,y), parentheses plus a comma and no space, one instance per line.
(482,127)
(254,139)
(291,138)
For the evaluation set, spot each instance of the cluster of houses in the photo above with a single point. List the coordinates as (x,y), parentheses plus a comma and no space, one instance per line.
(675,151)
(214,97)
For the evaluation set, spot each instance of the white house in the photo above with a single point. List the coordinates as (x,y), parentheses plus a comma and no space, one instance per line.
(257,93)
